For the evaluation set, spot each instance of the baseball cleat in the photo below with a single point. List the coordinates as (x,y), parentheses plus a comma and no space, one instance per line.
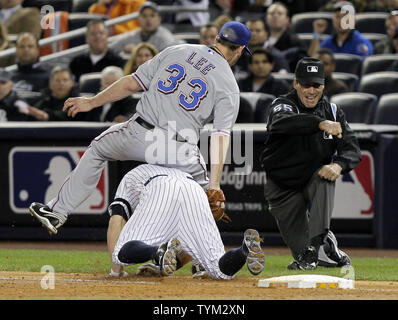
(149,270)
(255,258)
(121,274)
(49,219)
(198,271)
(308,260)
(330,255)
(167,257)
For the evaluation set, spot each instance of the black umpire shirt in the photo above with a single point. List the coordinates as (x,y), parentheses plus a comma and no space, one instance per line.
(295,147)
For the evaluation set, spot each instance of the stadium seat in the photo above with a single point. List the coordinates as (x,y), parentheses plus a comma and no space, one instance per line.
(349,63)
(358,107)
(259,103)
(82,5)
(288,77)
(379,83)
(57,5)
(387,109)
(79,20)
(90,82)
(371,22)
(350,79)
(375,37)
(246,111)
(306,38)
(302,22)
(378,63)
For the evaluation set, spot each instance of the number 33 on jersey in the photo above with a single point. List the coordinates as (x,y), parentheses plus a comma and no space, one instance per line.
(189,101)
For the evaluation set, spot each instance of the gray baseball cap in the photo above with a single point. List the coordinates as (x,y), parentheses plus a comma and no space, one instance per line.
(148,4)
(4,75)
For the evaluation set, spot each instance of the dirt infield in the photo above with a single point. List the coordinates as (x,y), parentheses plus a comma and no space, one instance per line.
(28,285)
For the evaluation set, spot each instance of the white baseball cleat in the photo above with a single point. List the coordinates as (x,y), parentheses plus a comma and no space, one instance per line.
(167,256)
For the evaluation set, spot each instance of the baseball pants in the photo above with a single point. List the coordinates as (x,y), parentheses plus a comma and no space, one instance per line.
(126,141)
(171,208)
(301,215)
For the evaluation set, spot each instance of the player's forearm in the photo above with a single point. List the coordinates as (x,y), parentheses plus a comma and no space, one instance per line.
(120,89)
(218,151)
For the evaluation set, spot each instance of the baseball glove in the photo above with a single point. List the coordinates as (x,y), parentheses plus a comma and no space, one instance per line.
(217,205)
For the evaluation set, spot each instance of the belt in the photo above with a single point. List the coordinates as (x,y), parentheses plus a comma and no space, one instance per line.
(149,126)
(144,123)
(161,175)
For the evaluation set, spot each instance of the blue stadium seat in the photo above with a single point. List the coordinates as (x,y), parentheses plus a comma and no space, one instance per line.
(387,109)
(358,107)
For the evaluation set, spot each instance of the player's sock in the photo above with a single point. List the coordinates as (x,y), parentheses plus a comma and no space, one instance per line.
(232,261)
(136,252)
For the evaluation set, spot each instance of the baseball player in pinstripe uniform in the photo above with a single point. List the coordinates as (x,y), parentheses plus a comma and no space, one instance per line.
(170,212)
(188,84)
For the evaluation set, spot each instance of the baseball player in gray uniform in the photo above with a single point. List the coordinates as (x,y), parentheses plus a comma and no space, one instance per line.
(170,213)
(185,87)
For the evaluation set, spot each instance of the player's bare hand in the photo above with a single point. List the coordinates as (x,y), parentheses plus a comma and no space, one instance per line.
(76,105)
(320,26)
(330,172)
(331,127)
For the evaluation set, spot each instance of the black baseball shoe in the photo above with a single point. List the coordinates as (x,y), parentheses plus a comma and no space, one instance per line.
(330,255)
(50,220)
(166,257)
(308,260)
(256,258)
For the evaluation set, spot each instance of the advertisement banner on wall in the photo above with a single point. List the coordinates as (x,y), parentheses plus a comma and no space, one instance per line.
(354,198)
(37,174)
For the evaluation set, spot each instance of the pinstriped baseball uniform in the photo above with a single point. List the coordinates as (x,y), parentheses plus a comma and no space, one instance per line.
(187,84)
(168,203)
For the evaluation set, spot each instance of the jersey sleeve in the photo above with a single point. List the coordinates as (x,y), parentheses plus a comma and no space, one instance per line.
(225,113)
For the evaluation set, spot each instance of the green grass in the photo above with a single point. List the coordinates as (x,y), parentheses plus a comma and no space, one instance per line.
(374,269)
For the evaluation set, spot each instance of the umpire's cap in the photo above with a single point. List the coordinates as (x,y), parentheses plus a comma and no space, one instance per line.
(310,71)
(237,33)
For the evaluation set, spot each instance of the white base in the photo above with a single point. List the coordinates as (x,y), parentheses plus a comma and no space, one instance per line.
(307,281)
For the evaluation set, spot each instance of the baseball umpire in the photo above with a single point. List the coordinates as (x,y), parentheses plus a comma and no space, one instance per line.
(185,87)
(309,145)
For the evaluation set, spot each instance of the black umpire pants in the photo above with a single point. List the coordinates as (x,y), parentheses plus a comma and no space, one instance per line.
(301,214)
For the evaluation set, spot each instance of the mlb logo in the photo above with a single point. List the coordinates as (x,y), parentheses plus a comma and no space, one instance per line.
(355,191)
(37,173)
(312,69)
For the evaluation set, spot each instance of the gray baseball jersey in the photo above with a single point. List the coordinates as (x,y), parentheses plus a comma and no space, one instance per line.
(191,85)
(168,203)
(186,84)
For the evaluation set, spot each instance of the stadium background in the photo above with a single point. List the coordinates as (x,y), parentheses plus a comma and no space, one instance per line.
(26,151)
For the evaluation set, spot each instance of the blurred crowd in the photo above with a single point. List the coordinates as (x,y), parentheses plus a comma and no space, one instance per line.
(33,88)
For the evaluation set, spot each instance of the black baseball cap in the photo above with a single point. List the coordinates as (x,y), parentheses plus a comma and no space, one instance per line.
(310,71)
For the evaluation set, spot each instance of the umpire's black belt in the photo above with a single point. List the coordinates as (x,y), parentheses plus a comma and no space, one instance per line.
(149,126)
